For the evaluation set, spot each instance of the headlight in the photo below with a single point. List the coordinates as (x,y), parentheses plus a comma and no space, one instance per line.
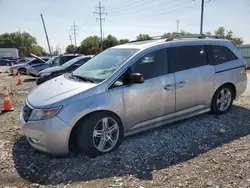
(45,74)
(41,114)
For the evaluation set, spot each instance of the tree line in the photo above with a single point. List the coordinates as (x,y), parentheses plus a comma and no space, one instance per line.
(91,45)
(27,43)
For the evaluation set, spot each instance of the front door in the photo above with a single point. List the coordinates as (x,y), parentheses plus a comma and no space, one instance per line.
(147,102)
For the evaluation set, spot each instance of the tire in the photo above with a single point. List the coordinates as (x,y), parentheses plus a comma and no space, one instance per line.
(88,143)
(22,70)
(216,107)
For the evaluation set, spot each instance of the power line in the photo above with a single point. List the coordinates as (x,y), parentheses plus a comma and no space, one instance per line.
(162,11)
(47,8)
(74,29)
(100,13)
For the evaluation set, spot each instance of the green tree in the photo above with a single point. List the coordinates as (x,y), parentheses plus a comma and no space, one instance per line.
(109,41)
(71,49)
(37,50)
(143,37)
(24,42)
(90,46)
(208,33)
(123,41)
(228,35)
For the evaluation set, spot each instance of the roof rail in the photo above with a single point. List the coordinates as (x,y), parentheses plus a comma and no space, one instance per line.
(193,36)
(202,36)
(151,38)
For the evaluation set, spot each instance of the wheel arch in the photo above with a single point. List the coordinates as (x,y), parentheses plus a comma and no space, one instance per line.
(232,85)
(72,144)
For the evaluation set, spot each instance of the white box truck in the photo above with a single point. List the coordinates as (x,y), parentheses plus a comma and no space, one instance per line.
(9,53)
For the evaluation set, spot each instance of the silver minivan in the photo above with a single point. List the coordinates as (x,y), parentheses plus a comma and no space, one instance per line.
(131,88)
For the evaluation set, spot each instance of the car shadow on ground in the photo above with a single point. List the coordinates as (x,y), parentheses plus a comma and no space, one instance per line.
(29,80)
(139,154)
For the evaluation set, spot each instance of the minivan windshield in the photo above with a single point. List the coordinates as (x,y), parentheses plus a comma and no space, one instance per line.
(103,65)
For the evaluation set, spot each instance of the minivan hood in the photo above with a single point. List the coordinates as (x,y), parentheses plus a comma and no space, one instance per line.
(52,69)
(55,90)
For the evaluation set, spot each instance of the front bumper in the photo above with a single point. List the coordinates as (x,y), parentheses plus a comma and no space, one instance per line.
(50,136)
(41,79)
(31,73)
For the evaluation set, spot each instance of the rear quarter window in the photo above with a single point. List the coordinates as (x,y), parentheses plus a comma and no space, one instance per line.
(219,54)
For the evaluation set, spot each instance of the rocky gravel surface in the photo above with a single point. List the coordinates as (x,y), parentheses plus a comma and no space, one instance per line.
(203,151)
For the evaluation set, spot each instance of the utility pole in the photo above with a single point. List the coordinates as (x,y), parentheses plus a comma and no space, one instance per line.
(177,22)
(74,29)
(70,38)
(202,12)
(46,34)
(100,12)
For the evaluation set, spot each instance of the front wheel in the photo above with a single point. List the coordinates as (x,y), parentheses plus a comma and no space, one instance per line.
(99,134)
(222,100)
(22,70)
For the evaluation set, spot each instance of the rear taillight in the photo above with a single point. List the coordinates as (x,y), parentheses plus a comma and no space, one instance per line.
(245,67)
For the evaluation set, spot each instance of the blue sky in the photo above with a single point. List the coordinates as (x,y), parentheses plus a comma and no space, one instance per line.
(125,18)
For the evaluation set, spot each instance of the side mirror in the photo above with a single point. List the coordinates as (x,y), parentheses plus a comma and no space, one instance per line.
(136,78)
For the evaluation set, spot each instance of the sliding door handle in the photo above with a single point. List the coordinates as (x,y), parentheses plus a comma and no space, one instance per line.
(168,87)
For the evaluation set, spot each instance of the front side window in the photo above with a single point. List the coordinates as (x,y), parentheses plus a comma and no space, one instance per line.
(104,64)
(50,61)
(56,61)
(151,65)
(219,54)
(35,61)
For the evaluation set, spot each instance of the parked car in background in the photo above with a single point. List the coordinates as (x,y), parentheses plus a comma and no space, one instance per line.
(19,61)
(5,62)
(131,88)
(55,61)
(22,67)
(69,66)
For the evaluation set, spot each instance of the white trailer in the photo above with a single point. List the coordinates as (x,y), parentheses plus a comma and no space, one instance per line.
(9,53)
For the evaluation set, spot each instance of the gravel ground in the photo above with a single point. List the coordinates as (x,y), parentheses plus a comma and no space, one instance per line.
(203,151)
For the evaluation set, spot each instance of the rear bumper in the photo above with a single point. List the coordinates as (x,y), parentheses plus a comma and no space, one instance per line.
(50,136)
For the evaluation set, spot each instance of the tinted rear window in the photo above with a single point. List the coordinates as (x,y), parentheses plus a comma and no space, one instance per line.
(219,54)
(186,57)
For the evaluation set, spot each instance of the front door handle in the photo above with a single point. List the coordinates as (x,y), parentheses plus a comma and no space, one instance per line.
(168,87)
(181,84)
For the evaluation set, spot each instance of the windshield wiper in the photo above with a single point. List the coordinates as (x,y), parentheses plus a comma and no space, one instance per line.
(82,78)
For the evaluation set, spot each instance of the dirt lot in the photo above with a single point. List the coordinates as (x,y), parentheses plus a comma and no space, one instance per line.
(204,151)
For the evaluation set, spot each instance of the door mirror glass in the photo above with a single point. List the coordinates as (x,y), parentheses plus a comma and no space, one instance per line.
(136,78)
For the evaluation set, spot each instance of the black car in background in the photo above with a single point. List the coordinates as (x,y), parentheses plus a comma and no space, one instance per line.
(69,66)
(54,61)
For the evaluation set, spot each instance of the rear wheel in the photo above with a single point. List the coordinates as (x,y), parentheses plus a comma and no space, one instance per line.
(99,134)
(222,100)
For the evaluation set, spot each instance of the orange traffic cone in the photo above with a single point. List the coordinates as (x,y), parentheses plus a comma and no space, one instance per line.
(19,81)
(7,106)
